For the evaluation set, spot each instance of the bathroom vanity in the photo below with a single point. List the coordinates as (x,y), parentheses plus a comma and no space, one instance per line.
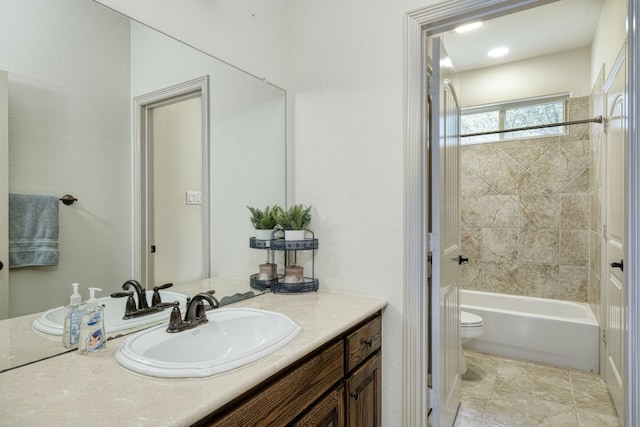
(330,374)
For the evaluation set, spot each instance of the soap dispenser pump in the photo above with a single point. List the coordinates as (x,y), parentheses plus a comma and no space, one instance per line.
(92,334)
(72,319)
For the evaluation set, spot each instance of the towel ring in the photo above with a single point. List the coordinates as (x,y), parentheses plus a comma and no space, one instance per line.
(68,199)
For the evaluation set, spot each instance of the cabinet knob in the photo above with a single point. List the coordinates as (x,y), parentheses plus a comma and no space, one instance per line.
(354,395)
(369,342)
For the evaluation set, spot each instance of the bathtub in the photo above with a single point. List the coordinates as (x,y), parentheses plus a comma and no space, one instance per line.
(562,333)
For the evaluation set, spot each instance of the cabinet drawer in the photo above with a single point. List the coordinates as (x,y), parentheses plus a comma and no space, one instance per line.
(362,342)
(286,395)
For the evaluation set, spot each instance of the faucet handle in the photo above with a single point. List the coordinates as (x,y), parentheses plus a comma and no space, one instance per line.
(175,319)
(156,299)
(131,302)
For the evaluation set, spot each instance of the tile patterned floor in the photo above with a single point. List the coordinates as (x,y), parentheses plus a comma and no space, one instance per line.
(504,392)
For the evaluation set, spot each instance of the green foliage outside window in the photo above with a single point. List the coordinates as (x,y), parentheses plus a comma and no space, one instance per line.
(513,115)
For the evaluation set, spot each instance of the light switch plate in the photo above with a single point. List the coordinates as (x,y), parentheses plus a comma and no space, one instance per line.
(194,197)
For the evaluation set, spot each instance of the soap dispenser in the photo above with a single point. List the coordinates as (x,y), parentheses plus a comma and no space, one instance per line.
(92,334)
(72,319)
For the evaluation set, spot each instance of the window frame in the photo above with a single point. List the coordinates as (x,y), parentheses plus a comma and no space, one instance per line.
(503,107)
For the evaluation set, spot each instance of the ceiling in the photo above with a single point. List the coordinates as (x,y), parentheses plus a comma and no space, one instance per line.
(554,27)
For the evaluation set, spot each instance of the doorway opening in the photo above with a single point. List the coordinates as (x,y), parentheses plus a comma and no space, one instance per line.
(172,239)
(419,26)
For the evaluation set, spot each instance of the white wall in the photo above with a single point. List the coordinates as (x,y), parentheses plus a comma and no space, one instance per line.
(610,36)
(346,96)
(561,72)
(69,133)
(250,34)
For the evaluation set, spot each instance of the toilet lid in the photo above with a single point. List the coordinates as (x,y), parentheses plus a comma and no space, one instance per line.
(469,319)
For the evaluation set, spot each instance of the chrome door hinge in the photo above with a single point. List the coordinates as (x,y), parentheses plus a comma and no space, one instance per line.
(604,336)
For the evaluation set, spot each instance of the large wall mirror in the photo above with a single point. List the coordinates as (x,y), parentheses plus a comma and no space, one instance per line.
(74,68)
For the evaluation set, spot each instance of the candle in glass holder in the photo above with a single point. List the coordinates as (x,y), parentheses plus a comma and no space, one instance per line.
(268,271)
(293,274)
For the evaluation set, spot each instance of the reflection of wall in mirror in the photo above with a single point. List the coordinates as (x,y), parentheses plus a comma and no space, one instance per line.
(69,133)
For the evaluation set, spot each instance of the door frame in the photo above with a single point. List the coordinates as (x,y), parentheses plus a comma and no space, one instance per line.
(142,106)
(4,193)
(417,26)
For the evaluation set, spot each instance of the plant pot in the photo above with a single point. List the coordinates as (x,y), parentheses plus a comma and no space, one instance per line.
(264,235)
(294,234)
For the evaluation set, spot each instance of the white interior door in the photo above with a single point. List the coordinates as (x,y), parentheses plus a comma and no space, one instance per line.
(445,239)
(175,191)
(171,205)
(4,195)
(614,220)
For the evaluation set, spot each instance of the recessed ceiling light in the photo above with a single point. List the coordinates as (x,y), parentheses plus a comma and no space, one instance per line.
(498,51)
(468,27)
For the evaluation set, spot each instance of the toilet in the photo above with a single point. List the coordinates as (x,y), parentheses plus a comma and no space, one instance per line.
(471,326)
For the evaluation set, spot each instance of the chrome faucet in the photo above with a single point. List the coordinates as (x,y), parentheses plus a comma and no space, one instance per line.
(195,314)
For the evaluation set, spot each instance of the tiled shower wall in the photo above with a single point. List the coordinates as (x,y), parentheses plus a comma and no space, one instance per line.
(526,213)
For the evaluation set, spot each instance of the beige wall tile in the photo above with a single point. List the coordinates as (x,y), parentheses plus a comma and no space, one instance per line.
(574,247)
(471,242)
(471,275)
(539,246)
(499,244)
(500,171)
(580,183)
(528,151)
(490,211)
(501,277)
(538,280)
(527,206)
(574,211)
(573,283)
(475,156)
(527,184)
(538,211)
(561,164)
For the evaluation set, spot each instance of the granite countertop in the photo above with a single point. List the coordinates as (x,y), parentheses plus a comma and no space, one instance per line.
(72,389)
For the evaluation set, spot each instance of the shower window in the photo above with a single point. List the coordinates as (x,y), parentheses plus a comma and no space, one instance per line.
(512,115)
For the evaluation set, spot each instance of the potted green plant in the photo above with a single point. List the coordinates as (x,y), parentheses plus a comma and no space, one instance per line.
(294,221)
(264,221)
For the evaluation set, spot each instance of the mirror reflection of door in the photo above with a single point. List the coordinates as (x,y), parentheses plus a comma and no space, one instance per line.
(172,180)
(175,193)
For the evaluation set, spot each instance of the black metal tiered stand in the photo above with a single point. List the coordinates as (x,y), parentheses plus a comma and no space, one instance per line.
(290,249)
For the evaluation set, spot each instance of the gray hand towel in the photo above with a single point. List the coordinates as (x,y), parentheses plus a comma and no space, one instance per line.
(33,230)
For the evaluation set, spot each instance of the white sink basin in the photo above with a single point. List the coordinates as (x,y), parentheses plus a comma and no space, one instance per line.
(51,322)
(233,337)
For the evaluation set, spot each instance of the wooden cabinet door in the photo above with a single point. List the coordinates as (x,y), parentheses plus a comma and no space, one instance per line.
(328,412)
(364,393)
